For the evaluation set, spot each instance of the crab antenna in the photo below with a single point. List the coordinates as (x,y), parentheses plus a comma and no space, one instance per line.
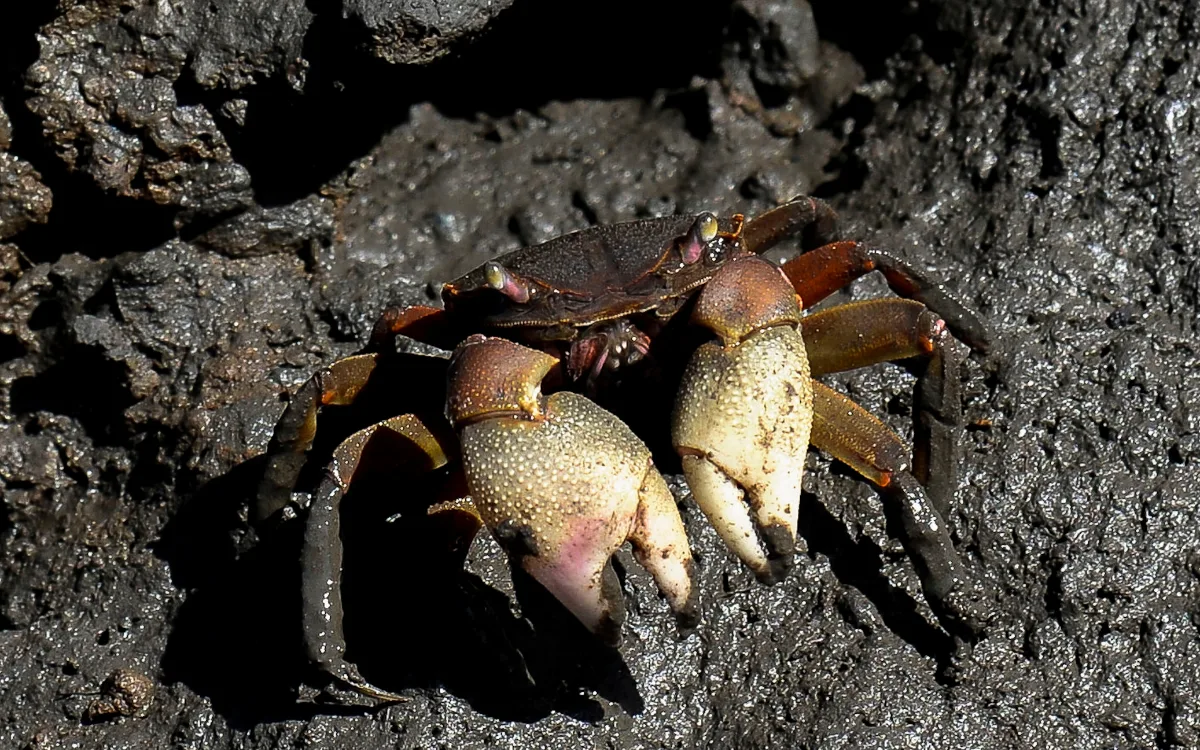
(506,282)
(703,230)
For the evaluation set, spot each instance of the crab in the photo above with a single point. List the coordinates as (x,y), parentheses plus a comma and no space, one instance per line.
(562,483)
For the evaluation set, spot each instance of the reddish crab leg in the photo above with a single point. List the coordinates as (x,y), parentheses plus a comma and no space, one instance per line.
(938,408)
(848,432)
(767,230)
(821,272)
(321,554)
(430,325)
(865,333)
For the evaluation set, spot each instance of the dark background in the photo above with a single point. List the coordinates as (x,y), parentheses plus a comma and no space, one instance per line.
(203,202)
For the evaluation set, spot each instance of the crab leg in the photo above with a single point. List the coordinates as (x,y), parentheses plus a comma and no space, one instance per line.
(429,325)
(562,484)
(821,272)
(848,432)
(769,229)
(338,384)
(321,553)
(860,334)
(742,417)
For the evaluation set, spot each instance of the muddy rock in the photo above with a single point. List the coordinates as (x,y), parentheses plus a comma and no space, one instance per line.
(298,228)
(419,32)
(105,89)
(24,200)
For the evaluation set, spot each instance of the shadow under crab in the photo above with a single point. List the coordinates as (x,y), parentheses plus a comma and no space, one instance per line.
(562,483)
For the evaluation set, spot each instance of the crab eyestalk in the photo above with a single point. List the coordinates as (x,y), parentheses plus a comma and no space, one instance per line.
(562,484)
(702,232)
(744,413)
(506,282)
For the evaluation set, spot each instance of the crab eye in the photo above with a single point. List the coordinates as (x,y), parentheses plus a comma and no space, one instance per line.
(506,282)
(703,231)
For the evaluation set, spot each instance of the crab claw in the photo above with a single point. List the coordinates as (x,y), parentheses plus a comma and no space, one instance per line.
(744,412)
(562,484)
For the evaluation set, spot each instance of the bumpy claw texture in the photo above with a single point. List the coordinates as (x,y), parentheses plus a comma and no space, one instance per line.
(563,485)
(744,413)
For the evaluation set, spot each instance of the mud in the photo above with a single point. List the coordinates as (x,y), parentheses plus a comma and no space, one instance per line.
(202,207)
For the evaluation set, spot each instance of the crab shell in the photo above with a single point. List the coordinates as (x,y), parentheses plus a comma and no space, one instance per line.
(562,483)
(599,274)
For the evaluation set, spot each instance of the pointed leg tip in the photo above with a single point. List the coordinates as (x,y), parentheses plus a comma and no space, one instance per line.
(349,676)
(779,539)
(968,611)
(687,615)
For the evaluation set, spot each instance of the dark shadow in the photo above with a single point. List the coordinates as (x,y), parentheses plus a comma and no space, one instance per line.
(414,619)
(890,27)
(533,53)
(18,43)
(11,348)
(99,407)
(234,639)
(860,564)
(643,394)
(87,220)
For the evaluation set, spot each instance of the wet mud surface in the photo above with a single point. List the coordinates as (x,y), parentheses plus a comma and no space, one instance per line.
(201,206)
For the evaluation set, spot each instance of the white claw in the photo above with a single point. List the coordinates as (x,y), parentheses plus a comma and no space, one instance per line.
(742,423)
(720,498)
(564,491)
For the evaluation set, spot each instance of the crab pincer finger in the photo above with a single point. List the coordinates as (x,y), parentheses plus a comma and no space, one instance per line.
(744,412)
(562,484)
(660,544)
